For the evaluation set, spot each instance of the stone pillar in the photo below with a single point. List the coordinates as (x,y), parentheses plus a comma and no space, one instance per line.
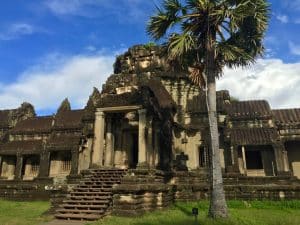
(278,150)
(156,148)
(234,160)
(119,151)
(19,165)
(244,160)
(98,147)
(142,158)
(286,165)
(150,148)
(1,165)
(109,144)
(74,162)
(44,164)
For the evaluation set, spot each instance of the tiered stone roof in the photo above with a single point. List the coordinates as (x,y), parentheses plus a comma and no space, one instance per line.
(198,103)
(63,142)
(287,117)
(253,136)
(40,124)
(245,110)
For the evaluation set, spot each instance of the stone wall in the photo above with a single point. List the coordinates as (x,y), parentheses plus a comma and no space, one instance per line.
(141,191)
(24,190)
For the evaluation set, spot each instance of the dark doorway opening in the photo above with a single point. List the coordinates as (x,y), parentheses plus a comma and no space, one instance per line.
(254,160)
(134,151)
(203,157)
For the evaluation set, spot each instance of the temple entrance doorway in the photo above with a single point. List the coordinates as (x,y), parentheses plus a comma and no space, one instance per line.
(293,148)
(134,151)
(260,160)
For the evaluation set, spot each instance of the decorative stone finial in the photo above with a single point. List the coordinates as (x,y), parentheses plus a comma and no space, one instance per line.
(64,106)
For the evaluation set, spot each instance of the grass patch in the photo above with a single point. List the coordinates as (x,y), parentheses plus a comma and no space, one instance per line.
(241,213)
(23,213)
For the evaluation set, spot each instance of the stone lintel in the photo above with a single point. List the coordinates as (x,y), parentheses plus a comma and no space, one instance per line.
(119,108)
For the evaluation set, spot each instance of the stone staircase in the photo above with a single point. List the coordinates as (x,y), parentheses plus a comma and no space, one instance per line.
(91,198)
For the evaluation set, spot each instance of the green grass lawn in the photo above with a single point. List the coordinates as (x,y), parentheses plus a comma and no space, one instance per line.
(23,213)
(241,213)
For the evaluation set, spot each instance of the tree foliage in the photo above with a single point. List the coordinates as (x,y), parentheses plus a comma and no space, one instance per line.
(238,27)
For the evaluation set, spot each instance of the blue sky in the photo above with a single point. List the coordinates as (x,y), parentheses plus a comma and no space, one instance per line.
(52,49)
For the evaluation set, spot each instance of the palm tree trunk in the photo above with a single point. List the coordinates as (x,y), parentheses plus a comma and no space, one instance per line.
(218,206)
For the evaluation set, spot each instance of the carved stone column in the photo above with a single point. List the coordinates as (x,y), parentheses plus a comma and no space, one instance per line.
(19,165)
(98,147)
(286,165)
(156,148)
(44,164)
(281,159)
(74,162)
(1,165)
(278,148)
(109,144)
(150,147)
(142,158)
(244,160)
(234,168)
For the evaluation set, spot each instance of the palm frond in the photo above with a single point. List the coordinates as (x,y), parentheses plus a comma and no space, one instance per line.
(181,44)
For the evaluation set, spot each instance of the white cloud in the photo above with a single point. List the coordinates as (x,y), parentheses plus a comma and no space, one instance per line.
(269,79)
(16,30)
(282,18)
(124,10)
(56,76)
(64,7)
(293,4)
(45,85)
(294,48)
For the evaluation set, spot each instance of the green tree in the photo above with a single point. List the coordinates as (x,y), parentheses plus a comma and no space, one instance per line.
(204,36)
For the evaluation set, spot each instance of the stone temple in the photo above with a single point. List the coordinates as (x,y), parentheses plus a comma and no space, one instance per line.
(143,143)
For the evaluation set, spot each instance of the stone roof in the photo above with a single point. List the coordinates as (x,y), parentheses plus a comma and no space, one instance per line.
(253,136)
(34,125)
(63,141)
(24,147)
(127,98)
(69,119)
(287,117)
(248,110)
(198,103)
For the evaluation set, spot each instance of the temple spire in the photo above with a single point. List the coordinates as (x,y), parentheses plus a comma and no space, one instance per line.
(64,106)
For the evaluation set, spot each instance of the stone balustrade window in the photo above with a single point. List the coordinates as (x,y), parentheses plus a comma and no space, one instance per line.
(66,165)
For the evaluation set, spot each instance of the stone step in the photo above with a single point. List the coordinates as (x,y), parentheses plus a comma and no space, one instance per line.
(88,189)
(94,186)
(86,202)
(79,206)
(79,216)
(95,198)
(91,198)
(109,180)
(73,193)
(104,178)
(99,182)
(78,211)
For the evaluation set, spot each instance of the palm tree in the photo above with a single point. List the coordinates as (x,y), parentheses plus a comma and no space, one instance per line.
(204,36)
